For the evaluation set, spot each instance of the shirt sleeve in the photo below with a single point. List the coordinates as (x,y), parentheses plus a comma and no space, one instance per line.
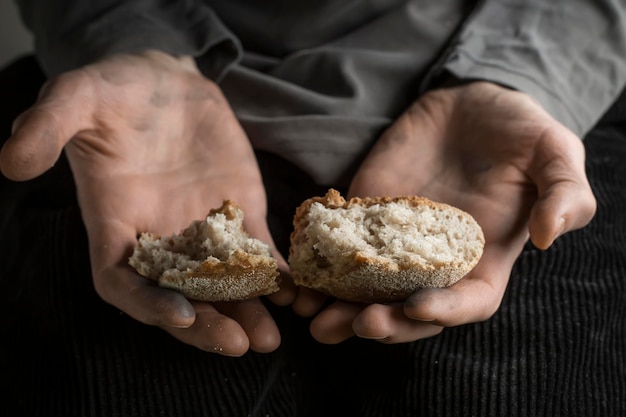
(570,55)
(72,33)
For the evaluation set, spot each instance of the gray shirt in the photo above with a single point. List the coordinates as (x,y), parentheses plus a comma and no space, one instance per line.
(317,81)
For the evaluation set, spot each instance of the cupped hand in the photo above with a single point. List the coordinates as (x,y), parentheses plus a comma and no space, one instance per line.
(153,145)
(494,153)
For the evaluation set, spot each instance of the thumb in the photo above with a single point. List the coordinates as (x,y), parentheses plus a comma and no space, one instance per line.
(564,206)
(565,200)
(40,133)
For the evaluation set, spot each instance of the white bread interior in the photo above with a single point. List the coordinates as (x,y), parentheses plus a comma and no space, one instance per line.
(381,249)
(211,260)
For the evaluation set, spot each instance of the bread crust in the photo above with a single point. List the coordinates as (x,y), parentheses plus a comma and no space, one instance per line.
(355,276)
(238,276)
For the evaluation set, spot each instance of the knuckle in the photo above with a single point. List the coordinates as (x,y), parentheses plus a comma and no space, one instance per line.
(67,84)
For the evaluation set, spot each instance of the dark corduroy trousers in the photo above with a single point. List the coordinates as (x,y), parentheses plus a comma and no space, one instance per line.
(556,347)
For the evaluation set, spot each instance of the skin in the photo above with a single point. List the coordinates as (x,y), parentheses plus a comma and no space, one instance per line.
(151,144)
(520,173)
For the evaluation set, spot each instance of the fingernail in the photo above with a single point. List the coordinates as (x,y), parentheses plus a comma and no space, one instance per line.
(372,337)
(421,319)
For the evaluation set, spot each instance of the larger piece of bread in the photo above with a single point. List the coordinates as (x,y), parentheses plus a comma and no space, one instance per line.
(381,249)
(211,260)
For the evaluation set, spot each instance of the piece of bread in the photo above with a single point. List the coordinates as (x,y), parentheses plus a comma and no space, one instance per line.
(211,260)
(381,249)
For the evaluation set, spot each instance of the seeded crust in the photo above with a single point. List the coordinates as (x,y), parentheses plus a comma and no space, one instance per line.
(381,249)
(211,260)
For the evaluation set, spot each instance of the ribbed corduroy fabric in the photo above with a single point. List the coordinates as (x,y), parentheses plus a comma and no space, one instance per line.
(556,347)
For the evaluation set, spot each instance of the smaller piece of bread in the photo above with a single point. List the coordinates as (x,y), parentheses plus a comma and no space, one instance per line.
(211,260)
(381,249)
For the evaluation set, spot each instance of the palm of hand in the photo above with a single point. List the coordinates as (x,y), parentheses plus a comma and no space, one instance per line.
(494,153)
(152,145)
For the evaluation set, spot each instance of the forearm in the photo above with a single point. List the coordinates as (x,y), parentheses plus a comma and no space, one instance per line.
(72,33)
(569,57)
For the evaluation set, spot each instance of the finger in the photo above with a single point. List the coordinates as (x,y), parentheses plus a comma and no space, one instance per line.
(388,324)
(110,245)
(40,133)
(256,322)
(288,291)
(143,299)
(334,324)
(195,323)
(563,207)
(213,332)
(565,200)
(34,147)
(308,302)
(474,298)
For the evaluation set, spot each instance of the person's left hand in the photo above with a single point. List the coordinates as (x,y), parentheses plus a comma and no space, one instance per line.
(492,152)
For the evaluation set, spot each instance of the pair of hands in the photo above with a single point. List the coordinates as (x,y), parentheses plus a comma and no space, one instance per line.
(153,145)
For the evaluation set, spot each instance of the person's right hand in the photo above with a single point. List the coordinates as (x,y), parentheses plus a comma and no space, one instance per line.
(152,145)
